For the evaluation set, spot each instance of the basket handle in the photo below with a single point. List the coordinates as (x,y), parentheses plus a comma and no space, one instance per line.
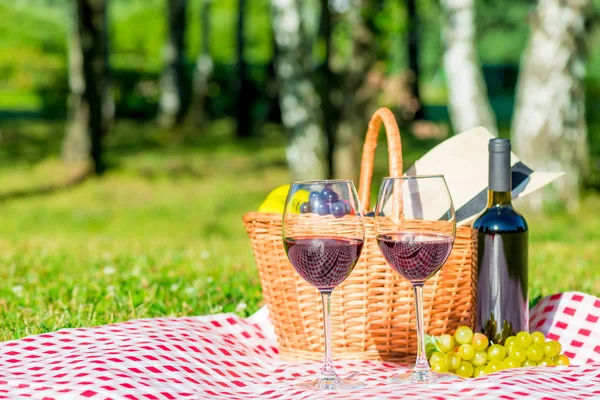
(368,155)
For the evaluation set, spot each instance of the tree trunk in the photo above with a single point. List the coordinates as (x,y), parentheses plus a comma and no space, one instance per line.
(272,84)
(300,106)
(549,129)
(204,67)
(244,100)
(357,95)
(467,94)
(173,81)
(326,82)
(413,56)
(89,107)
(108,105)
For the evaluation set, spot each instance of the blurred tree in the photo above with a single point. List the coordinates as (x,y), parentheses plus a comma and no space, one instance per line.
(272,89)
(326,75)
(413,55)
(244,98)
(204,67)
(300,104)
(468,101)
(173,83)
(549,128)
(89,108)
(357,93)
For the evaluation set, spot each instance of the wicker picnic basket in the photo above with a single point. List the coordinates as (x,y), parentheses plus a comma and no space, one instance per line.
(373,310)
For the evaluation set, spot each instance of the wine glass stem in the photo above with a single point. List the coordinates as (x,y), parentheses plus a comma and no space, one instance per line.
(421,364)
(327,370)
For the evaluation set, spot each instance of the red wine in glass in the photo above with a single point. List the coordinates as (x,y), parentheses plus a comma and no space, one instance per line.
(323,238)
(324,262)
(415,224)
(416,256)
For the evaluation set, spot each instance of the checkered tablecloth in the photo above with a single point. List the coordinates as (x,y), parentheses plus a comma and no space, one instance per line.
(227,357)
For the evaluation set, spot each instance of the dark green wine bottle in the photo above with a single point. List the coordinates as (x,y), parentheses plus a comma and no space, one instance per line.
(502,285)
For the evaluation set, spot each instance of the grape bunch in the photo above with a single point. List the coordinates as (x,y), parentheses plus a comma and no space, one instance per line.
(469,354)
(326,202)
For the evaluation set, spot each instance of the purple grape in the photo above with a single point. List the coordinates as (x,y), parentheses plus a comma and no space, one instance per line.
(323,209)
(338,209)
(305,207)
(314,196)
(347,207)
(315,199)
(329,195)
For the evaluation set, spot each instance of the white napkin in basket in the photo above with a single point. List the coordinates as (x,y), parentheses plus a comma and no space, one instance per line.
(463,160)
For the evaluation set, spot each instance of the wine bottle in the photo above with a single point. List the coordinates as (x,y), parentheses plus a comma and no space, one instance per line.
(502,285)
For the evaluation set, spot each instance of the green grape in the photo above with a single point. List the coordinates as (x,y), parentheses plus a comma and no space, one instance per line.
(518,352)
(562,361)
(535,352)
(446,342)
(509,342)
(463,335)
(494,366)
(546,362)
(465,370)
(496,352)
(538,338)
(529,363)
(441,366)
(435,357)
(453,361)
(466,352)
(480,359)
(479,371)
(511,362)
(559,347)
(551,348)
(480,341)
(523,339)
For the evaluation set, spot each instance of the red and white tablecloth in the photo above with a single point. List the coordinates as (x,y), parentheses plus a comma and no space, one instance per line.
(227,357)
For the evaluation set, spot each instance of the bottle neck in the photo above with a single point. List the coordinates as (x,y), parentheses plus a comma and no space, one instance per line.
(500,178)
(499,198)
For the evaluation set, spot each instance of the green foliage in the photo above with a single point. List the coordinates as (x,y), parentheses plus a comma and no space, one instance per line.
(137,32)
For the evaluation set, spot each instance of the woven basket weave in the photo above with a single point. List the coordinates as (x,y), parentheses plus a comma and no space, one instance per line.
(373,310)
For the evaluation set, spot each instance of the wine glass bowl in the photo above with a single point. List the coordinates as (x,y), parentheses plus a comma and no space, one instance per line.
(323,235)
(415,226)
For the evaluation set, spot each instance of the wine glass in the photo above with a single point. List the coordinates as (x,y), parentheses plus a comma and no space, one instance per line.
(415,227)
(323,235)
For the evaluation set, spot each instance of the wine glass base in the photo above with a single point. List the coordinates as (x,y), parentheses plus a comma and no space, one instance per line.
(330,383)
(421,377)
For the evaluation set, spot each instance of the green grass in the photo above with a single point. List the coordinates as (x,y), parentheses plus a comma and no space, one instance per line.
(161,233)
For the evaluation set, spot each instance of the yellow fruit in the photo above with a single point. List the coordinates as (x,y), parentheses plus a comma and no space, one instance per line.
(275,201)
(280,191)
(301,196)
(272,205)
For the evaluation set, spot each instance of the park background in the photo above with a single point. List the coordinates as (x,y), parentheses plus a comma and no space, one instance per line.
(134,134)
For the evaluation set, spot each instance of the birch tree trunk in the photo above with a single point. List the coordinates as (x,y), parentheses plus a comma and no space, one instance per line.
(549,129)
(172,83)
(89,108)
(355,110)
(204,67)
(467,94)
(306,150)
